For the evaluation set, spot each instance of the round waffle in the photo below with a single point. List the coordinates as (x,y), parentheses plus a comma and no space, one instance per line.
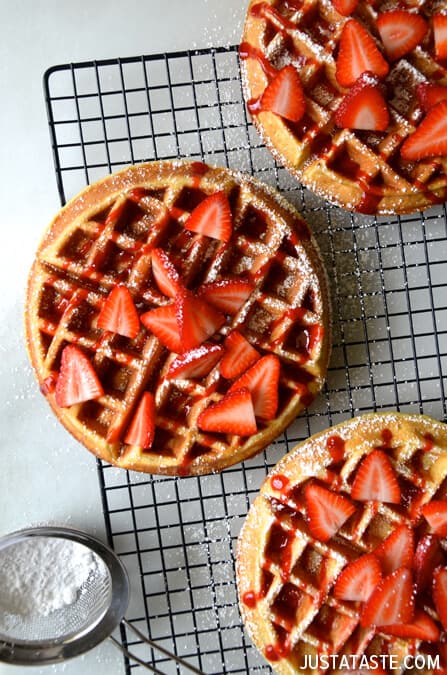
(103,240)
(359,170)
(289,573)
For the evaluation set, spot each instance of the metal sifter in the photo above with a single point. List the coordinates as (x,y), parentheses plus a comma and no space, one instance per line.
(77,627)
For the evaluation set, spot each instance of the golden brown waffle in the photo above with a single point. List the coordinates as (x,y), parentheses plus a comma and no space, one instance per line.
(358,170)
(286,577)
(104,236)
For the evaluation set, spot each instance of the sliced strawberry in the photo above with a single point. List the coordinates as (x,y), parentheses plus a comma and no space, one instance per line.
(77,380)
(397,550)
(375,480)
(427,557)
(284,95)
(401,32)
(430,137)
(239,355)
(358,53)
(195,363)
(234,414)
(440,33)
(166,276)
(430,94)
(162,322)
(196,319)
(435,513)
(142,427)
(345,7)
(421,628)
(119,314)
(363,107)
(212,217)
(228,295)
(391,602)
(326,511)
(262,381)
(358,579)
(440,594)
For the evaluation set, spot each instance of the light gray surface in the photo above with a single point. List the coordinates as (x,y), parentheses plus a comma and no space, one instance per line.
(46,477)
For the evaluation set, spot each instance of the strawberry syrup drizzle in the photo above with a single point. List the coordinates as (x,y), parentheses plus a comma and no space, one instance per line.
(336,446)
(263,10)
(48,386)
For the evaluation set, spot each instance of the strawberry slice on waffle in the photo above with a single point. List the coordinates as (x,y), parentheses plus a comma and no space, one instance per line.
(401,32)
(119,314)
(358,54)
(77,381)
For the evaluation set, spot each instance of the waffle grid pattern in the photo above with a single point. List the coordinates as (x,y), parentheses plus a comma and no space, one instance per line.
(353,168)
(87,259)
(292,601)
(177,536)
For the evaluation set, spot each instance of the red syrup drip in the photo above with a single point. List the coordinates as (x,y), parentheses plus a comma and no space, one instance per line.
(247,51)
(279,549)
(48,386)
(387,437)
(280,650)
(279,483)
(199,169)
(48,327)
(136,194)
(263,10)
(336,446)
(250,599)
(429,443)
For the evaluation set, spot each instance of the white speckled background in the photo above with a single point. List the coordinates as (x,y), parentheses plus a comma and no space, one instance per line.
(46,477)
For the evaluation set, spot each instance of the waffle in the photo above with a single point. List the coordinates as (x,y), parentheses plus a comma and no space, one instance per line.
(286,576)
(361,171)
(103,238)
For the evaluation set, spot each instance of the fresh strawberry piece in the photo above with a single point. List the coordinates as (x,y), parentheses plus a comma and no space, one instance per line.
(421,628)
(262,380)
(166,276)
(358,579)
(234,414)
(430,94)
(142,427)
(435,513)
(284,95)
(430,137)
(358,54)
(196,320)
(397,550)
(345,7)
(162,322)
(440,594)
(363,107)
(326,511)
(427,557)
(239,355)
(212,218)
(391,602)
(77,380)
(401,32)
(228,295)
(119,314)
(440,34)
(195,363)
(375,480)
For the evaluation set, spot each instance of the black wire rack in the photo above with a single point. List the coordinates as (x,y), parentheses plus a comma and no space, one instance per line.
(389,279)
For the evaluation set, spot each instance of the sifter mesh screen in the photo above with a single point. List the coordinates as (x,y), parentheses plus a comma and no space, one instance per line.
(21,616)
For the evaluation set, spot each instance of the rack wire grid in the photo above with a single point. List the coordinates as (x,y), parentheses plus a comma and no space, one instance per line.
(389,283)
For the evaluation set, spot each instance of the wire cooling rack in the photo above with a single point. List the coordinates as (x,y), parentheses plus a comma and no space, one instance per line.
(389,281)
